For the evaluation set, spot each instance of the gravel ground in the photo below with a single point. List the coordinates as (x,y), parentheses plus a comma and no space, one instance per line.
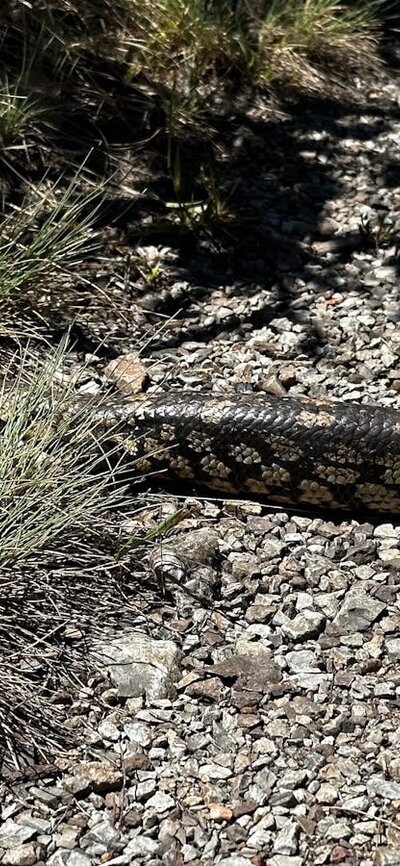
(248,712)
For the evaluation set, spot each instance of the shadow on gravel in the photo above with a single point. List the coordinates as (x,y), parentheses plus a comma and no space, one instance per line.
(263,178)
(278,175)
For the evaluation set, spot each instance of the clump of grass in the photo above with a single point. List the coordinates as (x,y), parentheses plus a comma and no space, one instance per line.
(57,497)
(191,46)
(19,114)
(190,49)
(42,488)
(300,41)
(177,38)
(46,234)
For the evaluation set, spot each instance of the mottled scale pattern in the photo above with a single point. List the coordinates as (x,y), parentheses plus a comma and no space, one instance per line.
(292,451)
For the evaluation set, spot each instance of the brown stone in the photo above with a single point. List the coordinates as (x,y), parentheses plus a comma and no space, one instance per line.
(220,812)
(99,776)
(127,374)
(138,761)
(338,854)
(246,807)
(211,689)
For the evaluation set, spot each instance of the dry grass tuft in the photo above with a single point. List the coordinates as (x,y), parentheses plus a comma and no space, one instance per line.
(307,42)
(194,48)
(46,234)
(58,574)
(191,50)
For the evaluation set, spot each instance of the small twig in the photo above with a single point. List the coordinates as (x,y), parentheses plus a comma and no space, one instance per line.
(362,813)
(156,532)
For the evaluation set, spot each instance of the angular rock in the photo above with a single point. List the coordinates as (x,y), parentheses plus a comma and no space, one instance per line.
(141,846)
(160,802)
(12,834)
(211,689)
(127,373)
(98,776)
(293,779)
(21,855)
(384,788)
(105,834)
(302,661)
(286,839)
(219,812)
(78,858)
(358,611)
(138,664)
(393,647)
(307,624)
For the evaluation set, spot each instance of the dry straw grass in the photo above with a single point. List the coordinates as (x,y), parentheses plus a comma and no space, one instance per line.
(58,575)
(193,49)
(46,235)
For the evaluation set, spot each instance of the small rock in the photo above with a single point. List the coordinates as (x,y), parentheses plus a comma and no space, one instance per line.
(245,807)
(97,776)
(141,846)
(12,834)
(338,854)
(302,661)
(105,834)
(220,812)
(108,731)
(356,804)
(244,566)
(293,779)
(60,858)
(20,855)
(386,274)
(259,839)
(48,796)
(312,682)
(68,837)
(145,788)
(160,802)
(259,612)
(385,530)
(212,689)
(136,761)
(139,733)
(138,664)
(384,788)
(338,830)
(133,818)
(393,647)
(358,611)
(286,839)
(326,794)
(213,771)
(189,853)
(127,373)
(78,858)
(306,624)
(40,825)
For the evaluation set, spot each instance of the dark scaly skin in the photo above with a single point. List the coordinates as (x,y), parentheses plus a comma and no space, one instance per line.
(291,451)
